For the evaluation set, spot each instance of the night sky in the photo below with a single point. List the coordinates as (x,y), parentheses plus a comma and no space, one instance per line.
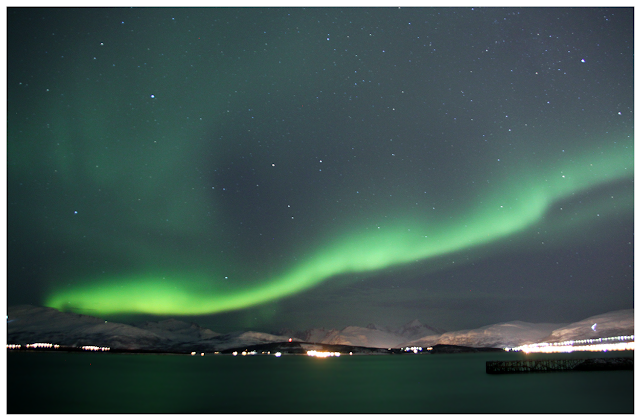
(295,168)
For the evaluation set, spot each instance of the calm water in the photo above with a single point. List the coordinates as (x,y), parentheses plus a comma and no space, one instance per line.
(116,383)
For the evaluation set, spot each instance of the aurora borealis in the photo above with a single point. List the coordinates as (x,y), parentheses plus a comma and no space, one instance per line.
(271,168)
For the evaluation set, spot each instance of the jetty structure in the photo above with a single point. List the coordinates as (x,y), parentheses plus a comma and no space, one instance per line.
(556,365)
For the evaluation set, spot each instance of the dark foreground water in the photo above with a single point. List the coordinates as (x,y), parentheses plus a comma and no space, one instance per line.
(131,383)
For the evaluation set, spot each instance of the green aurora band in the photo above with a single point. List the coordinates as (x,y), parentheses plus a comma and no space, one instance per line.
(519,203)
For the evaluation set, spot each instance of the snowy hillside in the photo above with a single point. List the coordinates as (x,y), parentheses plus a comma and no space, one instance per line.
(29,324)
(415,329)
(248,338)
(370,336)
(517,333)
(610,324)
(354,336)
(507,334)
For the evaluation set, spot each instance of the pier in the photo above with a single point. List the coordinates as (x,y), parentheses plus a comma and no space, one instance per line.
(555,365)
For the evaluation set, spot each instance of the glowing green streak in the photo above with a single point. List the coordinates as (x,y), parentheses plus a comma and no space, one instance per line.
(517,206)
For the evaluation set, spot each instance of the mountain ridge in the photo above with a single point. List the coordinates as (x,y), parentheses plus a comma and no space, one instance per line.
(28,324)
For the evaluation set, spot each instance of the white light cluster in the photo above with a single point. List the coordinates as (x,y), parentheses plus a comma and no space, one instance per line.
(42,346)
(594,344)
(95,348)
(316,353)
(278,354)
(413,349)
(55,346)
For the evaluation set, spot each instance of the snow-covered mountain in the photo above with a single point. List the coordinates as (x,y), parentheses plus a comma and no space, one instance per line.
(354,336)
(506,334)
(247,338)
(517,333)
(415,329)
(611,324)
(29,324)
(370,336)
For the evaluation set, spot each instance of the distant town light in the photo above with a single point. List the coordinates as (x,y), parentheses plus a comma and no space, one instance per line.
(40,345)
(624,343)
(323,354)
(95,348)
